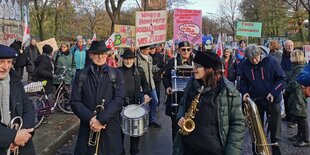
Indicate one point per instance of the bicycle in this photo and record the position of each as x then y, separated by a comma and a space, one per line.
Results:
42, 104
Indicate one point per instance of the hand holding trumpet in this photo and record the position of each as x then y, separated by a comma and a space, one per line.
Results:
95, 125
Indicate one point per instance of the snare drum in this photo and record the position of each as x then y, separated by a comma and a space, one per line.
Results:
135, 120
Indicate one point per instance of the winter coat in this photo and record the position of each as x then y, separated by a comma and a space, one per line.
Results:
98, 86
231, 68
261, 79
277, 54
20, 105
64, 60
147, 67
158, 66
167, 82
297, 102
79, 57
230, 118
32, 53
286, 64
44, 71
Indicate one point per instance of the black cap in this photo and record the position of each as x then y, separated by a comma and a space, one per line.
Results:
128, 53
98, 47
208, 59
184, 44
7, 52
48, 49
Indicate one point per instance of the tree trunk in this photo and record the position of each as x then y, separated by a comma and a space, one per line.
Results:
309, 27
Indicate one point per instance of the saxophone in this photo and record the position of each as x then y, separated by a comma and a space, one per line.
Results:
189, 124
253, 122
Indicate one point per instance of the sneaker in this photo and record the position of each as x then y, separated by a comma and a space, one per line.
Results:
292, 125
294, 138
154, 125
301, 144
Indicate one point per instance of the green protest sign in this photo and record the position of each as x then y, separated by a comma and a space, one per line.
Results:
249, 29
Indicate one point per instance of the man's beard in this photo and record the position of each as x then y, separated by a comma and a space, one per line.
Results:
128, 65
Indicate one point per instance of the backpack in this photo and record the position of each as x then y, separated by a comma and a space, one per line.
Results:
83, 77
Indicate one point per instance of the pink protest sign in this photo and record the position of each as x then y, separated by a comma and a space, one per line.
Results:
150, 27
187, 26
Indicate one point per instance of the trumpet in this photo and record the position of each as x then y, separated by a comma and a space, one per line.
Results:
94, 137
16, 123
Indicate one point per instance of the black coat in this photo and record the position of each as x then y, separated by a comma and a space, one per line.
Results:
158, 66
231, 68
44, 71
167, 81
139, 82
20, 105
83, 103
32, 53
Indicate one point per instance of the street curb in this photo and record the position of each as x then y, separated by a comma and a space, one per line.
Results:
52, 148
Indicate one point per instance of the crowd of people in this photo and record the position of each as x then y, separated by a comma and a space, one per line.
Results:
278, 81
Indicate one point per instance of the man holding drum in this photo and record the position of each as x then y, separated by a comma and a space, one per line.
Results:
183, 58
92, 86
134, 81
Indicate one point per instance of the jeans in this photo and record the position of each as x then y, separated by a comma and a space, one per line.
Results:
153, 105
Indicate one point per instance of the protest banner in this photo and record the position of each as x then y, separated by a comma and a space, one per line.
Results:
307, 52
124, 35
249, 29
150, 27
187, 26
52, 42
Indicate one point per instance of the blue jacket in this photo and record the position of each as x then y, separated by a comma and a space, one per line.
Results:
261, 79
79, 57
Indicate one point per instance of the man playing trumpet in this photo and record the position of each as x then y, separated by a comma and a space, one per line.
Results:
14, 102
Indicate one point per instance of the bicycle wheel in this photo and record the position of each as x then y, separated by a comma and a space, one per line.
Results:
62, 102
38, 104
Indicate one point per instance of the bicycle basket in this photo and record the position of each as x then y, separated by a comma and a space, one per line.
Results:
34, 87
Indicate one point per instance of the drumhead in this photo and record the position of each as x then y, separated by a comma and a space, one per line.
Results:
133, 111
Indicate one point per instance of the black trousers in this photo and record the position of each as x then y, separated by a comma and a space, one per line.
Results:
134, 144
174, 125
273, 112
157, 87
303, 127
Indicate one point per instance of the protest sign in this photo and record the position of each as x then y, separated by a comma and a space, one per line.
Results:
187, 26
307, 52
52, 42
124, 35
249, 29
150, 27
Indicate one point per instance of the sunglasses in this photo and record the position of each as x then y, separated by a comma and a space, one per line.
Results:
186, 49
197, 65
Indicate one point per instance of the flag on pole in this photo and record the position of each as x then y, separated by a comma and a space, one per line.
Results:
26, 34
94, 37
219, 46
110, 42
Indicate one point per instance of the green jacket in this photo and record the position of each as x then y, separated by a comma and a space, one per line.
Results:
231, 119
297, 101
60, 62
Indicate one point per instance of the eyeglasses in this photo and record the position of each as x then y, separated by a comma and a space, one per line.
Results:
186, 49
100, 53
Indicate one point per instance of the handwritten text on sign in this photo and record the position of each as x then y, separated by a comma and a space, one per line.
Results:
150, 27
187, 26
249, 29
124, 35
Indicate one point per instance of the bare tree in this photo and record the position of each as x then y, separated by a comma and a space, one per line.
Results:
114, 10
306, 5
229, 14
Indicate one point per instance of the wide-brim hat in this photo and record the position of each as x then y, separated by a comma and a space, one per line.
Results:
128, 53
7, 52
304, 77
184, 44
208, 60
98, 47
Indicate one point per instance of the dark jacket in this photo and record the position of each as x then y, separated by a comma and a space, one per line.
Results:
158, 66
32, 53
286, 64
20, 105
230, 118
231, 68
167, 81
44, 71
261, 79
139, 82
98, 86
297, 102
61, 60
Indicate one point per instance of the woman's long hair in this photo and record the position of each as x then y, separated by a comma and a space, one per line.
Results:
212, 77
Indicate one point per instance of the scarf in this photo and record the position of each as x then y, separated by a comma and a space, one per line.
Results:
5, 100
